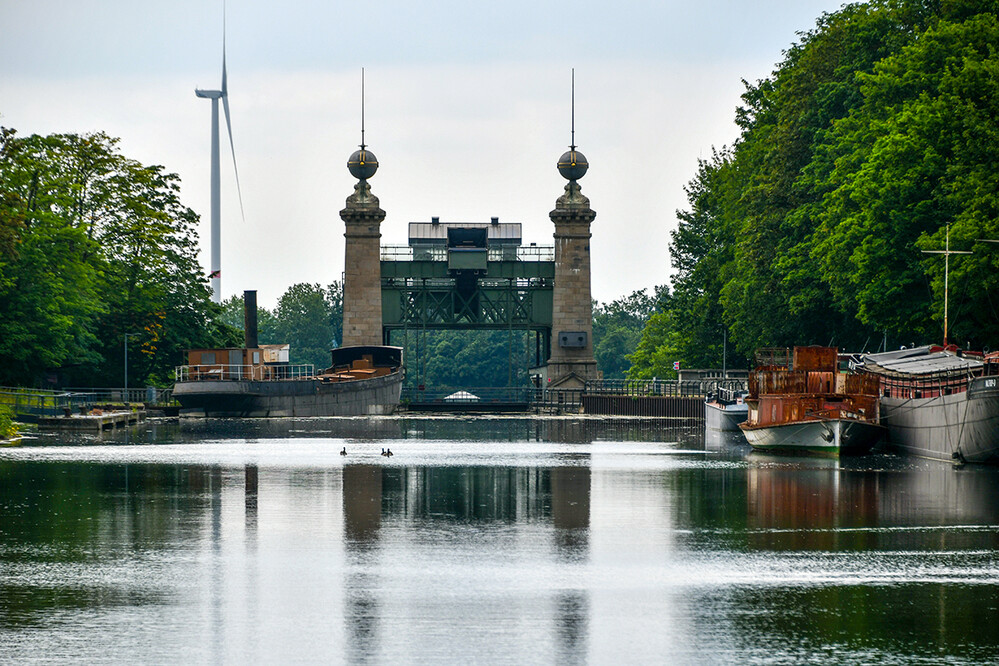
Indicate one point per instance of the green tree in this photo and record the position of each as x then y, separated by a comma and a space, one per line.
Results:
617, 329
921, 153
50, 267
94, 246
467, 359
875, 133
304, 319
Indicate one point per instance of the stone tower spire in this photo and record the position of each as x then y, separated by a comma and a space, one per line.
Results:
362, 282
571, 362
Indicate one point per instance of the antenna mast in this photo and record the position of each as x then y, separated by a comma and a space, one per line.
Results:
362, 108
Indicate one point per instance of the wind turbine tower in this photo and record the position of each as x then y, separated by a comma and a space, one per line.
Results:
216, 209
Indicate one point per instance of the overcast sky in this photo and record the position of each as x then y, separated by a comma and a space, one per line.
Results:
467, 111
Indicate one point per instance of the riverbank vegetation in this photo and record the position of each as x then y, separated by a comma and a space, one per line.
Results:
8, 429
875, 135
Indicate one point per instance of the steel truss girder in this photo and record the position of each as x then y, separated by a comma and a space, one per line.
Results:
489, 303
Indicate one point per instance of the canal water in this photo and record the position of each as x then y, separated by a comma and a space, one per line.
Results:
486, 540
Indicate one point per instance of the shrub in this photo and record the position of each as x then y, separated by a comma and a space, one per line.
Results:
7, 427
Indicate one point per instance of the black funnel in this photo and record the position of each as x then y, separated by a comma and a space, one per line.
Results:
250, 318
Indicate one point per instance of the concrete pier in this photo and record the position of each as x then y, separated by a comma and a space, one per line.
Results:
92, 422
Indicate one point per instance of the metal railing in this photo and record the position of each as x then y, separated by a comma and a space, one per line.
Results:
662, 387
195, 373
148, 395
439, 253
487, 396
467, 396
31, 403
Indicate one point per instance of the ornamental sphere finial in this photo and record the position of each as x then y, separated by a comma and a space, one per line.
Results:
362, 164
572, 165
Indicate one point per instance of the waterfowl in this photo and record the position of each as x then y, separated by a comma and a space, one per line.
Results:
343, 451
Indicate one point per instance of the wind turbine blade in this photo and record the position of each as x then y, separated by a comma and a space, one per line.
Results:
232, 147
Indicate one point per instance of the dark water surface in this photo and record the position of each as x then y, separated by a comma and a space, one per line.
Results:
489, 540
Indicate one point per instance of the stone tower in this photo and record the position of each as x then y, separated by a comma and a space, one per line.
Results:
362, 281
571, 362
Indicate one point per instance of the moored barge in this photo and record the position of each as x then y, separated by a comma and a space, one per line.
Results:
361, 381
938, 402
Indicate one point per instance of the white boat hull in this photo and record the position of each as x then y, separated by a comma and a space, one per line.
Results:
725, 418
825, 437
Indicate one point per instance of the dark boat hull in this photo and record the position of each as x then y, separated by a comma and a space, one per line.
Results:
293, 397
962, 426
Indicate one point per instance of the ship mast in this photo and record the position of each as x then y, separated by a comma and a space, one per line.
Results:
946, 252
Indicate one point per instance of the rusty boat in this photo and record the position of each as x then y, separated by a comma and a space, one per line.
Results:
939, 402
800, 401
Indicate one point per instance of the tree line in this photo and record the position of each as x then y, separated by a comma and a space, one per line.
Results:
96, 253
874, 138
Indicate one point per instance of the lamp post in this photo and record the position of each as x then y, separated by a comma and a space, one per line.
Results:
125, 392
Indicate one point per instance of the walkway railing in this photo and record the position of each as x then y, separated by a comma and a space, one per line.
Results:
232, 373
661, 387
25, 402
652, 397
31, 403
148, 395
439, 253
468, 396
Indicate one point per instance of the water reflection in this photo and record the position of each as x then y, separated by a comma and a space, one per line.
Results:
567, 541
805, 505
426, 504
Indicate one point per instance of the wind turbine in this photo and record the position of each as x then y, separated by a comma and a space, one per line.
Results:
216, 211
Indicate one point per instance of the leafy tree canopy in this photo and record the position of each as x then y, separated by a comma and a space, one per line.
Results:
95, 249
875, 134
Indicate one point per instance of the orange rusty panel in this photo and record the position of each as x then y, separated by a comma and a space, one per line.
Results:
769, 382
865, 384
821, 382
822, 359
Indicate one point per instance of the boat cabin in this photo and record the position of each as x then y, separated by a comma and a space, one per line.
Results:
806, 383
